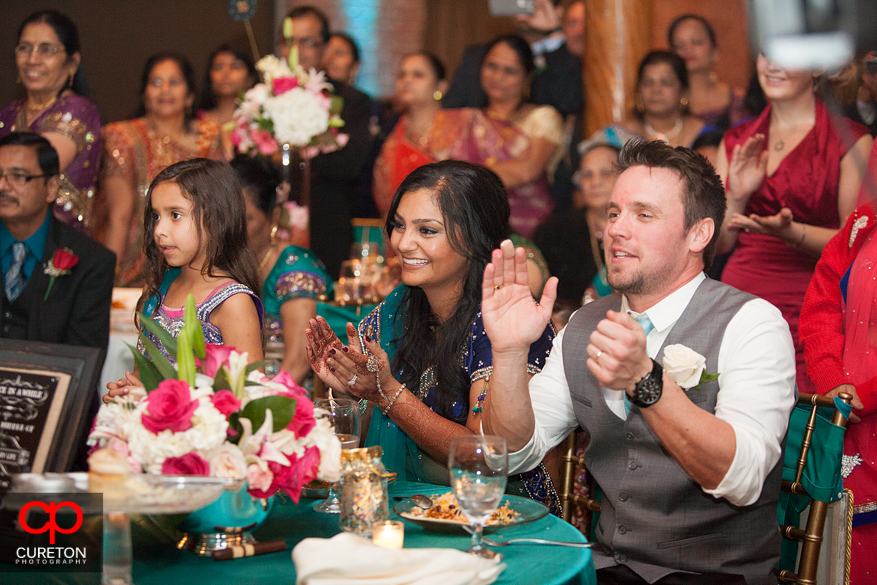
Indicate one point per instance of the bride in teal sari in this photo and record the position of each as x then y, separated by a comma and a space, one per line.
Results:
421, 361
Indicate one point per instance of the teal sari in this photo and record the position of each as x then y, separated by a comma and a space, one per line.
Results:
386, 325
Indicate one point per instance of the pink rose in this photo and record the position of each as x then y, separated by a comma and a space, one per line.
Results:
188, 464
225, 402
170, 406
264, 141
281, 85
303, 421
216, 357
259, 480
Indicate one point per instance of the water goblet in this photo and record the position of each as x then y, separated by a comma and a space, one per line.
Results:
479, 468
343, 415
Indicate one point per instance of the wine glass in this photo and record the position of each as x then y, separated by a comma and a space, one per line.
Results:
343, 415
479, 468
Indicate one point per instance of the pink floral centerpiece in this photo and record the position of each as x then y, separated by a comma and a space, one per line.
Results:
217, 416
290, 107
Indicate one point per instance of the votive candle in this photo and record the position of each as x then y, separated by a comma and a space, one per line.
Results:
389, 534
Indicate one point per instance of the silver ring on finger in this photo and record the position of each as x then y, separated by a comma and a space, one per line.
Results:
352, 380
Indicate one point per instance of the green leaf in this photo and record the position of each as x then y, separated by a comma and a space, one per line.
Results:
234, 423
161, 363
147, 371
282, 407
255, 366
160, 333
704, 377
185, 359
220, 380
193, 328
336, 104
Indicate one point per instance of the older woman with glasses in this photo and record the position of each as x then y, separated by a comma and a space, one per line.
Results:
56, 107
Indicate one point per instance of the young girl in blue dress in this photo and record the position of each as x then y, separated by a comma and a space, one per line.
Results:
195, 242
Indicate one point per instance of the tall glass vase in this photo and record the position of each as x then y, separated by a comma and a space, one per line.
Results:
297, 171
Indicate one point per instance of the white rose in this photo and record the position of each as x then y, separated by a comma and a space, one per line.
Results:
683, 365
228, 462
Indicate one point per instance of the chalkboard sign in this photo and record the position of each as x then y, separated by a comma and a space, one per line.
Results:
30, 405
48, 396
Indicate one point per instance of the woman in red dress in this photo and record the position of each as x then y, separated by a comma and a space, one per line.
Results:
792, 176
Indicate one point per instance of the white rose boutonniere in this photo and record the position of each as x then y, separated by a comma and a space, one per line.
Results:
686, 367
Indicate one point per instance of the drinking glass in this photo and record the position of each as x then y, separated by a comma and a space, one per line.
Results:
479, 468
343, 415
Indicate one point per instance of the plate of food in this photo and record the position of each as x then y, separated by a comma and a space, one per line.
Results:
445, 514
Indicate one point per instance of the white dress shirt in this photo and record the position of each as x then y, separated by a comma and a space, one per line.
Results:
756, 365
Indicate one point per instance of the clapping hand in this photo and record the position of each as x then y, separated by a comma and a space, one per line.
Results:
511, 319
776, 225
617, 353
322, 341
747, 169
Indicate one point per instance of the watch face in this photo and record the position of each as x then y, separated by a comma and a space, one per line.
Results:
648, 390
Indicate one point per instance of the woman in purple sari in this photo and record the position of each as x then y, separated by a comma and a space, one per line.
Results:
519, 141
47, 57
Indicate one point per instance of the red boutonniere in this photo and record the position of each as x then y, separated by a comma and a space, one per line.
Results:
60, 264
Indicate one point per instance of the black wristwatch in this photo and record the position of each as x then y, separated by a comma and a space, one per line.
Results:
648, 390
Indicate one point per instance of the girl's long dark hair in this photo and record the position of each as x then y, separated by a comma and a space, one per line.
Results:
219, 213
475, 210
207, 99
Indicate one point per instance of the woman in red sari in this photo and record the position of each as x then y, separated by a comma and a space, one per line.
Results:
792, 176
839, 332
418, 137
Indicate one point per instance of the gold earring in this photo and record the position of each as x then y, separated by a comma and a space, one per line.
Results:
684, 102
274, 234
437, 95
18, 80
70, 79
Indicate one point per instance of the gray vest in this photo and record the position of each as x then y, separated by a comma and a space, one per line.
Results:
654, 517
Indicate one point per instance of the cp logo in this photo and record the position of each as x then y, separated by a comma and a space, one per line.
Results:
51, 525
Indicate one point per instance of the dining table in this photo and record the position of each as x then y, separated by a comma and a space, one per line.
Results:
156, 561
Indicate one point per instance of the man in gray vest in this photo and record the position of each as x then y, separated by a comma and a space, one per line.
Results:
687, 455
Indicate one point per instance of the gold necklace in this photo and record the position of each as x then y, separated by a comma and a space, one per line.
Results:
267, 255
39, 107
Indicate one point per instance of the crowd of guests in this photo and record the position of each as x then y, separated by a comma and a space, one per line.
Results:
455, 168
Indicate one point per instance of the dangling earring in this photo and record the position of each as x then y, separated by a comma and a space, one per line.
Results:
18, 80
684, 102
274, 235
437, 95
70, 79
640, 107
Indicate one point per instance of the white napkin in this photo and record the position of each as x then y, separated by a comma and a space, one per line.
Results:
347, 559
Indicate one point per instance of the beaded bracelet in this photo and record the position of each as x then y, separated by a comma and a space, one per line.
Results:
479, 405
386, 411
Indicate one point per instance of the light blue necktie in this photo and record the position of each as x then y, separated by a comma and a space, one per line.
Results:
14, 277
647, 326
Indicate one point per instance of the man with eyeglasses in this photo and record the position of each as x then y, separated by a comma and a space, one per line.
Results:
334, 176
72, 308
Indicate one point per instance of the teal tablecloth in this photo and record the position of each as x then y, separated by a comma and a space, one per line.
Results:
158, 563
